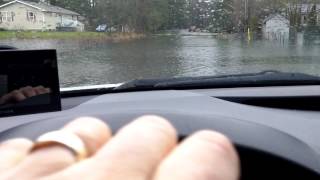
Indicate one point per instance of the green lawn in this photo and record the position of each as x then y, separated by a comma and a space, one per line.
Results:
66, 35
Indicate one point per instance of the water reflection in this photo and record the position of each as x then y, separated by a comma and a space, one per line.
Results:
84, 62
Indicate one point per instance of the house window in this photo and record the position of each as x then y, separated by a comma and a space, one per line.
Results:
4, 16
31, 16
12, 16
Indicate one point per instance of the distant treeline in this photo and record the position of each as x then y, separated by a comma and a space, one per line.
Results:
212, 15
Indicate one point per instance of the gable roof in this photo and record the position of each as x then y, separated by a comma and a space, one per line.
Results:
276, 16
42, 7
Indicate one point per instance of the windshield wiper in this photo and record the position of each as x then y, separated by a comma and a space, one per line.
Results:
263, 79
266, 78
87, 90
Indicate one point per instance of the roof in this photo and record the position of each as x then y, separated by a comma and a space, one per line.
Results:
42, 7
276, 16
306, 8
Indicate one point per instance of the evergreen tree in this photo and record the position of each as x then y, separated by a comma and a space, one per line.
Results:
222, 15
177, 14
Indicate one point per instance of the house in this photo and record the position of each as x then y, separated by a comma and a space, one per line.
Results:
25, 15
305, 9
276, 26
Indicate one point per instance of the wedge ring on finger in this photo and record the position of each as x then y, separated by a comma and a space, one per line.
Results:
63, 138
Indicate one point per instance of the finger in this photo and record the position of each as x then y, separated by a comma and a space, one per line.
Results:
17, 96
93, 132
47, 90
5, 99
51, 159
28, 91
41, 90
134, 153
12, 152
205, 155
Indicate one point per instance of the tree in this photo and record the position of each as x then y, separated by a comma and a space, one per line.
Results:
199, 13
133, 15
294, 13
157, 15
177, 18
312, 16
312, 23
83, 7
154, 15
222, 15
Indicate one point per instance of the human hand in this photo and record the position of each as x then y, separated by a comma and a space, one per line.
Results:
146, 149
23, 93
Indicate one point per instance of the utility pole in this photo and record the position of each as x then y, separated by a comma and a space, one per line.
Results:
246, 13
246, 17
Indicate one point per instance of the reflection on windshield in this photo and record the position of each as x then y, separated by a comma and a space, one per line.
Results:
111, 41
23, 95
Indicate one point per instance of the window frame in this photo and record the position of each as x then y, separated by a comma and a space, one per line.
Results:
4, 18
13, 14
31, 18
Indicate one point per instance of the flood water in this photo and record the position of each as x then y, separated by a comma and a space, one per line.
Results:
92, 62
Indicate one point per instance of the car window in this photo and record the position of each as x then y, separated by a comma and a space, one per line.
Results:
113, 41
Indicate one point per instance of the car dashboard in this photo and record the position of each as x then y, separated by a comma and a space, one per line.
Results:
275, 129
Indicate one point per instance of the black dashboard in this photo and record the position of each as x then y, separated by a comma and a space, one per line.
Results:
274, 139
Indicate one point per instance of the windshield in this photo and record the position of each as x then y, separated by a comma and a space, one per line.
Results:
114, 41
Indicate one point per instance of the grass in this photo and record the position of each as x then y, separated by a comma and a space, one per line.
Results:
68, 35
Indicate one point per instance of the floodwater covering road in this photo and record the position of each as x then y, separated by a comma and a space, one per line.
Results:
93, 62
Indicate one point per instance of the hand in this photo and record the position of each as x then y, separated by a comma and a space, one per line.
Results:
146, 149
23, 93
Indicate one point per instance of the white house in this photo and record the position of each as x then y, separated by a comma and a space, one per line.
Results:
25, 15
276, 26
305, 10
